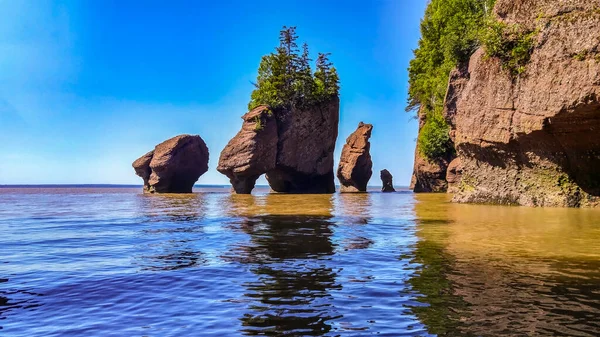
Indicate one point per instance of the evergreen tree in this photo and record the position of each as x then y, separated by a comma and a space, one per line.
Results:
305, 84
326, 78
285, 77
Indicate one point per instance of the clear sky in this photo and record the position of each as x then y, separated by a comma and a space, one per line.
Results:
86, 87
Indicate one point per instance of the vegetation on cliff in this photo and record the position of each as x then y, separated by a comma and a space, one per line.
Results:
450, 33
285, 77
512, 44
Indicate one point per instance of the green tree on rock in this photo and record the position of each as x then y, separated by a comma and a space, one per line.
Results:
326, 78
285, 77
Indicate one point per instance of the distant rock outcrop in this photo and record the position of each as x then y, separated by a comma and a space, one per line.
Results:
355, 167
294, 147
386, 180
174, 165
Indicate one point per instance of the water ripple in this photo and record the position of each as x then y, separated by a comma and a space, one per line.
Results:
114, 262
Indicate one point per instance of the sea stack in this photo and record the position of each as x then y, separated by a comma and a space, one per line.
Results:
292, 146
355, 168
386, 180
174, 165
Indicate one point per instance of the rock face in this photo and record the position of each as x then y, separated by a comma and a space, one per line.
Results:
429, 175
386, 180
355, 168
293, 147
532, 139
454, 175
252, 152
174, 165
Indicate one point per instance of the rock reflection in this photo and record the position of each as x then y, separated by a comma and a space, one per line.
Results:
171, 207
279, 204
174, 227
292, 293
488, 270
16, 299
171, 256
355, 209
354, 206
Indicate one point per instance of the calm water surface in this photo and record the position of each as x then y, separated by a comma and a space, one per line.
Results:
114, 262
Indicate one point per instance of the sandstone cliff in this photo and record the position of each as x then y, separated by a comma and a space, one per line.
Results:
531, 139
293, 147
429, 175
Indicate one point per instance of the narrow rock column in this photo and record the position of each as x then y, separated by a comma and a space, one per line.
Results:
386, 180
355, 167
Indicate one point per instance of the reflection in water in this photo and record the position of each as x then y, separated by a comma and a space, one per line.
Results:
291, 295
174, 246
19, 299
117, 262
489, 270
171, 207
278, 204
355, 208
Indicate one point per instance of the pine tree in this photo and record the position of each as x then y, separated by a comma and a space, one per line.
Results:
305, 82
288, 53
285, 77
326, 78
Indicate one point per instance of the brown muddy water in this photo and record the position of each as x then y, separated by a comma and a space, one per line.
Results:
113, 262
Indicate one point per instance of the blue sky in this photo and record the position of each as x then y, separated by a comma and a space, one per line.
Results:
86, 87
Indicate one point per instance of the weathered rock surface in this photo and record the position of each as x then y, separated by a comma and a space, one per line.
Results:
252, 152
454, 175
355, 168
293, 147
386, 180
174, 165
533, 140
429, 175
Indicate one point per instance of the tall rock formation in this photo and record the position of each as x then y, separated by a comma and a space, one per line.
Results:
293, 147
532, 139
174, 165
355, 168
387, 181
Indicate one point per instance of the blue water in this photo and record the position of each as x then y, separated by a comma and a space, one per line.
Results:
93, 261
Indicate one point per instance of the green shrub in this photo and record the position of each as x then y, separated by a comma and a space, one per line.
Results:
510, 43
450, 32
258, 124
434, 139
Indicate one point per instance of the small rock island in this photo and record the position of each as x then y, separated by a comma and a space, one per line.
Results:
291, 129
387, 181
174, 165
